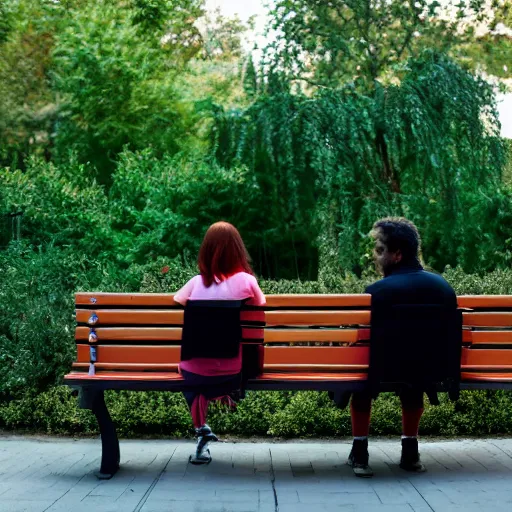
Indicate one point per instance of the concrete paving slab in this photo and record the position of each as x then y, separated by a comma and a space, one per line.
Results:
57, 475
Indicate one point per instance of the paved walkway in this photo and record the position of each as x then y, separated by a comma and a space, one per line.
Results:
56, 475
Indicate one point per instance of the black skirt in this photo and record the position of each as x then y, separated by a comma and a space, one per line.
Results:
209, 386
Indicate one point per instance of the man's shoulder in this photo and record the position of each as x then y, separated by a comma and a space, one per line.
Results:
435, 278
423, 279
371, 288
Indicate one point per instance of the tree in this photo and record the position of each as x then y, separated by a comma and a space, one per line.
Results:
5, 21
331, 163
492, 50
329, 43
250, 78
117, 78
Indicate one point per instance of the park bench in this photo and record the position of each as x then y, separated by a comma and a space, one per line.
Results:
311, 342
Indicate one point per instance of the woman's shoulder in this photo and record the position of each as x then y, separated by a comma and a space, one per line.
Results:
194, 280
244, 277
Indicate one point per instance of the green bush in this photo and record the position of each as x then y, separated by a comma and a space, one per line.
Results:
37, 348
36, 318
263, 414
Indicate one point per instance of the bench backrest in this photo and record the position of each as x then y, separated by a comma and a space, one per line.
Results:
303, 333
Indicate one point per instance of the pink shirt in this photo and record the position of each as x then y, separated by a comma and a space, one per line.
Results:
236, 287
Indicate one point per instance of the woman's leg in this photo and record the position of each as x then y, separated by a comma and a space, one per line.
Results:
199, 411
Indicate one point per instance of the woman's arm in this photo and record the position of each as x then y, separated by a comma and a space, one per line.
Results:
183, 294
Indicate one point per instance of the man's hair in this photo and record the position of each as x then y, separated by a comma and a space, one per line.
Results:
399, 234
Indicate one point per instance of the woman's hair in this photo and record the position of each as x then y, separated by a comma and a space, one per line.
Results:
222, 253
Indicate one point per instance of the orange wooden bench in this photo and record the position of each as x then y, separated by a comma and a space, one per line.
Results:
311, 342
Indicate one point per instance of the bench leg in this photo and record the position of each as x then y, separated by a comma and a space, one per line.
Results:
110, 456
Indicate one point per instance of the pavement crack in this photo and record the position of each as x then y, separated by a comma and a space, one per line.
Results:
422, 497
273, 481
60, 497
153, 484
501, 450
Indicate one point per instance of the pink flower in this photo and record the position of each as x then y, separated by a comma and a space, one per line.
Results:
165, 269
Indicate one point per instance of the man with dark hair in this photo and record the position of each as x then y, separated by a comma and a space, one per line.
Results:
397, 258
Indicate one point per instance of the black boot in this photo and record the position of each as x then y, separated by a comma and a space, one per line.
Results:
358, 458
204, 436
410, 460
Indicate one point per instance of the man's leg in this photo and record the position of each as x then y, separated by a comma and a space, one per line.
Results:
360, 412
412, 410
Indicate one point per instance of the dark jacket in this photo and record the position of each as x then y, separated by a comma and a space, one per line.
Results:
411, 284
416, 333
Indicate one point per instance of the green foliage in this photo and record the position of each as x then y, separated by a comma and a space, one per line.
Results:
36, 319
27, 109
263, 413
5, 21
118, 89
162, 207
60, 203
428, 149
128, 126
328, 44
155, 208
159, 16
37, 347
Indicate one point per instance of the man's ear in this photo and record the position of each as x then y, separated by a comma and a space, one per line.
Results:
398, 256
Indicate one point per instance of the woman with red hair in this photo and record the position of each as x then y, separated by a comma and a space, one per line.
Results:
225, 274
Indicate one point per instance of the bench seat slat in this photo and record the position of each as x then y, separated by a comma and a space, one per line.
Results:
167, 367
277, 367
487, 376
305, 367
355, 377
176, 377
113, 375
268, 367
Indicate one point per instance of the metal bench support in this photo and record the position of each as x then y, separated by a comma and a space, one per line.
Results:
110, 455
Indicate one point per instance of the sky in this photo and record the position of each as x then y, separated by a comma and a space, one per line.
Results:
246, 8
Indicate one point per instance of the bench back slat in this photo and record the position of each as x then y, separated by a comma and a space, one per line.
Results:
269, 335
488, 319
306, 336
289, 301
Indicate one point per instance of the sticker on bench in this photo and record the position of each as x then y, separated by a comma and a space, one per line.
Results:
93, 319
